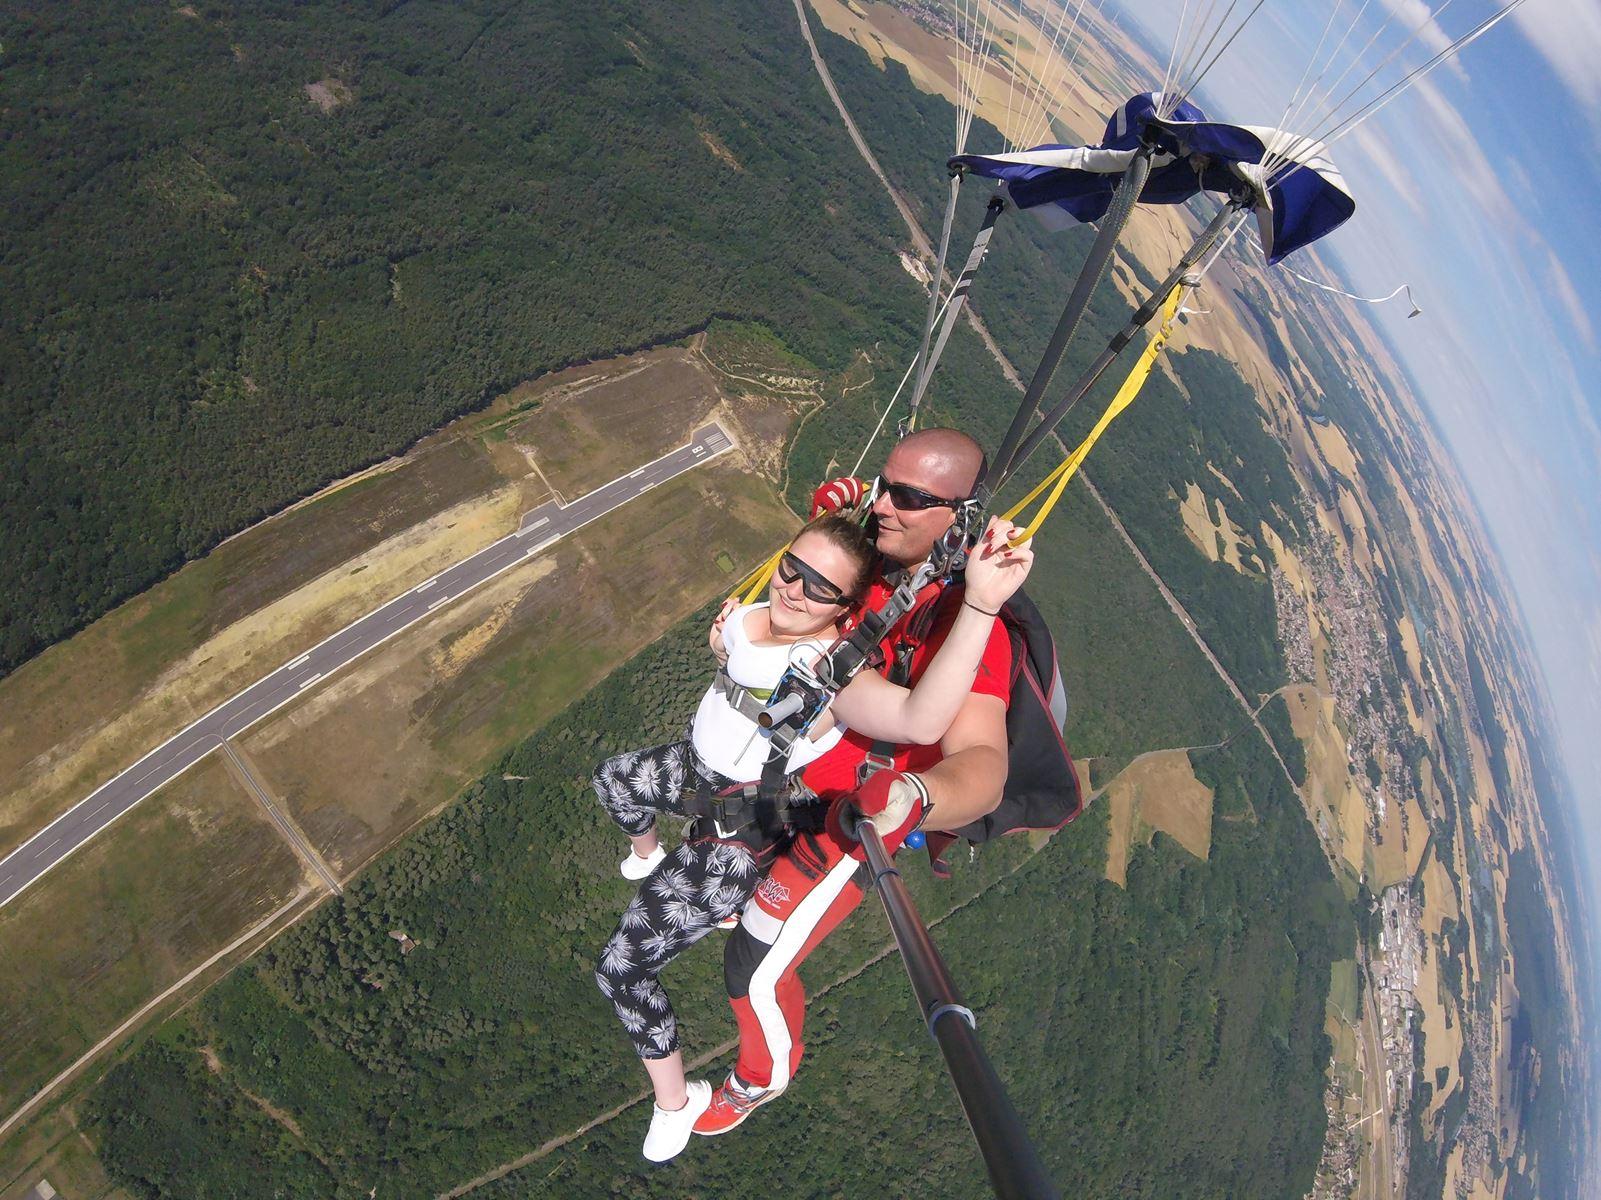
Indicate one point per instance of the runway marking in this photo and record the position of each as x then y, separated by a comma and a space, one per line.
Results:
438, 602
299, 662
524, 532
307, 683
637, 474
423, 587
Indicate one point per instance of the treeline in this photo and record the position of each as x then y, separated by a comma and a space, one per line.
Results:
220, 296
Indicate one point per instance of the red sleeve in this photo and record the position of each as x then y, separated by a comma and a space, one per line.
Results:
994, 676
995, 668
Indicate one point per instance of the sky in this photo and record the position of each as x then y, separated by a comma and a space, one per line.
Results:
1479, 187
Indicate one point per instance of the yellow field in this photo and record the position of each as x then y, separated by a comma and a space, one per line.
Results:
1157, 791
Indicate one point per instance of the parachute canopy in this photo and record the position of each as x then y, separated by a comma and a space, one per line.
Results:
1297, 193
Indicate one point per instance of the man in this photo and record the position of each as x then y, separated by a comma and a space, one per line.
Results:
820, 880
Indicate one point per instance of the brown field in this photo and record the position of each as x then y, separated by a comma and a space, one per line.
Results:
438, 703
1157, 791
130, 913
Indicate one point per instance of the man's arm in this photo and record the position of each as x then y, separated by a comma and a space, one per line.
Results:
966, 784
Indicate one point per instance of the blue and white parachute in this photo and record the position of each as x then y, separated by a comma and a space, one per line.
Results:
1296, 192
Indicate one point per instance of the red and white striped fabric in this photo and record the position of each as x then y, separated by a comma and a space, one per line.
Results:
837, 495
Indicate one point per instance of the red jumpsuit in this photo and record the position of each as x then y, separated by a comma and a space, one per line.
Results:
816, 883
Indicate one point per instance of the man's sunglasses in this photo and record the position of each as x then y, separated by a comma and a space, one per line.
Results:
911, 499
815, 587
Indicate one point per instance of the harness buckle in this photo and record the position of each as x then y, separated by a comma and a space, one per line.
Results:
872, 763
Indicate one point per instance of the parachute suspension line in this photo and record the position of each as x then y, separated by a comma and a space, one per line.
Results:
953, 306
1089, 276
1190, 57
1407, 288
1244, 21
1016, 1171
1046, 85
1407, 81
1291, 106
1211, 240
1173, 50
1322, 107
1056, 482
1011, 76
1331, 111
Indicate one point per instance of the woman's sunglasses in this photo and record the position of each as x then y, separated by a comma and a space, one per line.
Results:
911, 499
815, 587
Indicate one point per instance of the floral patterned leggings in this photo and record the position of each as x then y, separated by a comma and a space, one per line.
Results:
699, 884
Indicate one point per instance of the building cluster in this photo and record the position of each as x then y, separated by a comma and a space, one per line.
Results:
1395, 971
1358, 663
1337, 1170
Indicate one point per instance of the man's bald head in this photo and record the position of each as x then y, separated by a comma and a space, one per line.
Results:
946, 462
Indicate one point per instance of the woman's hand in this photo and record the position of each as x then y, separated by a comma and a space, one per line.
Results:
995, 568
715, 638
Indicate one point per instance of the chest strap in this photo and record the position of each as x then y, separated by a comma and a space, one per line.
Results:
750, 703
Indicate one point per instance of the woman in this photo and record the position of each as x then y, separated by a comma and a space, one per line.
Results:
708, 879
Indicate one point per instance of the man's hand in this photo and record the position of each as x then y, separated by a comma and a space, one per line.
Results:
837, 495
894, 801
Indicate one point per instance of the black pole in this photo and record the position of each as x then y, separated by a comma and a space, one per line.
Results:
1015, 1169
1141, 318
1090, 274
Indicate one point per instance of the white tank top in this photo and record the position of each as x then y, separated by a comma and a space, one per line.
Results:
726, 740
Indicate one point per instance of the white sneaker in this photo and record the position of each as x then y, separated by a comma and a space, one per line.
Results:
669, 1131
636, 868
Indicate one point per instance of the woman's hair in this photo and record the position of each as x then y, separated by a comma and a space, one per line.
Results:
850, 537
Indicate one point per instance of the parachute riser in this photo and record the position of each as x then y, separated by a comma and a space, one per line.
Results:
935, 286
1089, 277
929, 358
1142, 317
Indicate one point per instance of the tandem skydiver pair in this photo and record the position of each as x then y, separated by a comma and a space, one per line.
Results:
922, 741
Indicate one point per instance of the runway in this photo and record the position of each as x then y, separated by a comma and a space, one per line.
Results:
540, 527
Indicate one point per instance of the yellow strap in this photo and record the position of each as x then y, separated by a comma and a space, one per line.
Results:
756, 582
1057, 480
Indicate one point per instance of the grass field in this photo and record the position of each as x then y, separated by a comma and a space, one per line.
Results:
129, 914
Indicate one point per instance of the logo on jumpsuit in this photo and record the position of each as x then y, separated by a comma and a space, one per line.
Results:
773, 892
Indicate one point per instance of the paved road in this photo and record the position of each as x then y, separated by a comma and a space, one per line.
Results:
540, 527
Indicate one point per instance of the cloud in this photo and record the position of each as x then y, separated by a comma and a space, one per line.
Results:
1367, 141
1562, 288
1567, 34
1415, 20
